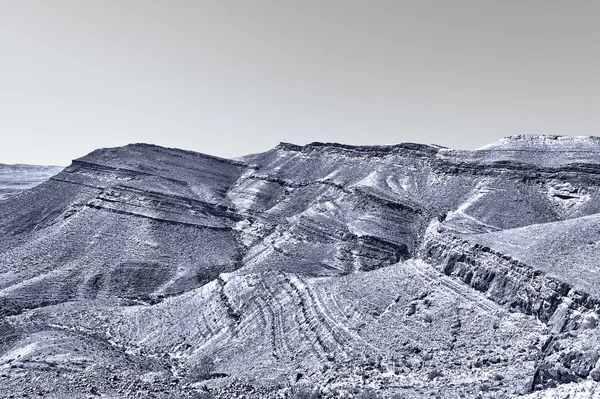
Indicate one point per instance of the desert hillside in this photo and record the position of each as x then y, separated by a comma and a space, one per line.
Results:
323, 270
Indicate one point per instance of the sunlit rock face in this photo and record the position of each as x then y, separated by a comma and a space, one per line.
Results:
323, 270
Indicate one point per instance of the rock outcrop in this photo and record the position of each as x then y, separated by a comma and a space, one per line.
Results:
323, 270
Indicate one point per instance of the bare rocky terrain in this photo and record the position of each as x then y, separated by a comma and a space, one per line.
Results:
325, 270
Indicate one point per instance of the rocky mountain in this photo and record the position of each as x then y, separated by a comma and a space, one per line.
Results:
324, 270
16, 178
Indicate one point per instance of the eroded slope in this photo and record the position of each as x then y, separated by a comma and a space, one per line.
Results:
407, 270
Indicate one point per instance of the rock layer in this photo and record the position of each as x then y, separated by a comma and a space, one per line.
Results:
325, 269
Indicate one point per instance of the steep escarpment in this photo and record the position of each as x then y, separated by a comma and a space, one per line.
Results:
327, 269
570, 312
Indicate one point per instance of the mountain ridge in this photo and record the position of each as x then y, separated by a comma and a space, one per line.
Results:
323, 269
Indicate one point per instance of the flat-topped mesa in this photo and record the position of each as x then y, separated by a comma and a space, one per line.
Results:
20, 167
528, 156
363, 150
544, 142
16, 178
520, 142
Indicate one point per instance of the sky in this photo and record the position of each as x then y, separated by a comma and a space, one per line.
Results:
230, 78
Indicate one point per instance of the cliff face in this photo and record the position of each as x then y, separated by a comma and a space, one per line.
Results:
406, 270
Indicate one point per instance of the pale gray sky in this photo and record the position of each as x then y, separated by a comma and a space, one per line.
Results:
235, 77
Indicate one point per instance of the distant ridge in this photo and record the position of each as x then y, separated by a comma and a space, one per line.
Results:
18, 177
